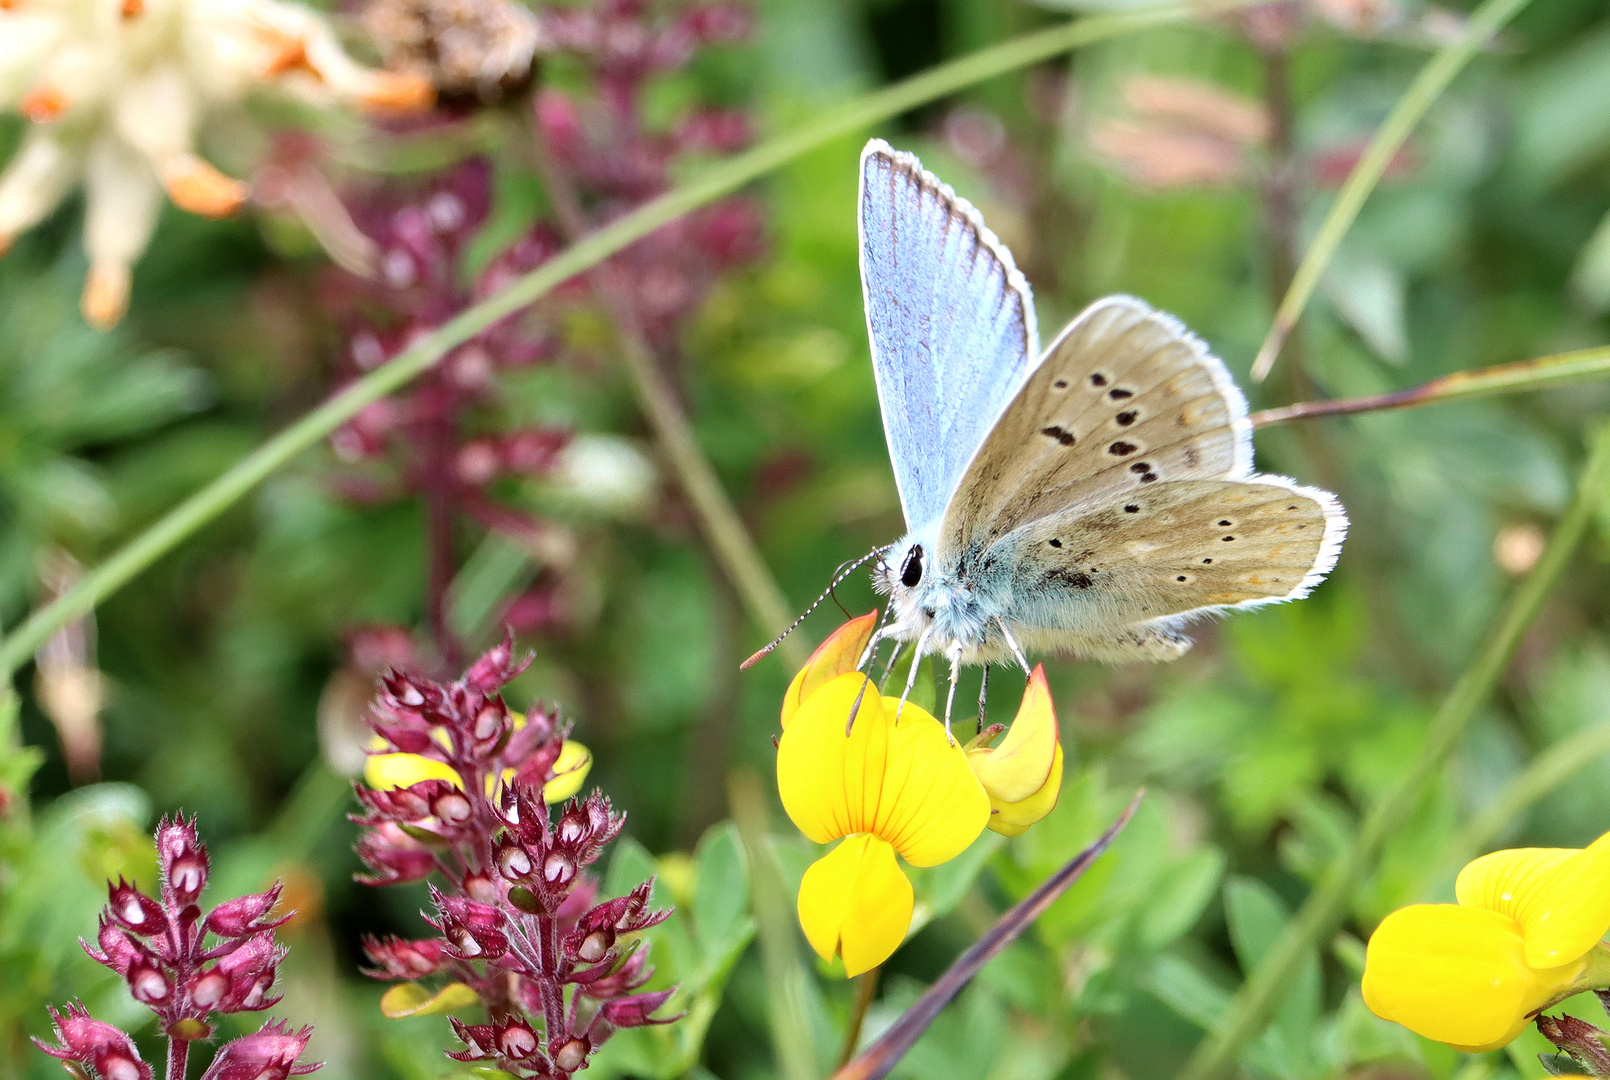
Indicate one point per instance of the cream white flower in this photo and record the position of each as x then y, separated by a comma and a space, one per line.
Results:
115, 91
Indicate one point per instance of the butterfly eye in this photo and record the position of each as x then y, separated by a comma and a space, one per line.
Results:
911, 569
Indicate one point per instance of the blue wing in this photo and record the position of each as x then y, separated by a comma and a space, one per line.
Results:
951, 322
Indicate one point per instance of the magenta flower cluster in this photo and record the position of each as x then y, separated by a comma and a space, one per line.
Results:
444, 440
187, 968
517, 916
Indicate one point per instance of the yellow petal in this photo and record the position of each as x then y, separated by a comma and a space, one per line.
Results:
836, 656
904, 781
855, 901
411, 999
568, 772
1559, 896
383, 772
1019, 767
1457, 974
1014, 819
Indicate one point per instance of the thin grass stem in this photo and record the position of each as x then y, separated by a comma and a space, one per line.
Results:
1539, 373
1410, 109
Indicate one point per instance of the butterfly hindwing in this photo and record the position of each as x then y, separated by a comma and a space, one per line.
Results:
950, 320
1170, 550
1125, 398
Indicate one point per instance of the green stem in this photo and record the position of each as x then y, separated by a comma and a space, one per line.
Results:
1410, 109
1539, 373
1327, 904
720, 180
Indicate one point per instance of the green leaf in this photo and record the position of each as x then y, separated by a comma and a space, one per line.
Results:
721, 892
411, 999
629, 867
1181, 897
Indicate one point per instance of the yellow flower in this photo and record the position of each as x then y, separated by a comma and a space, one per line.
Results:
1023, 775
889, 785
385, 772
115, 92
1525, 934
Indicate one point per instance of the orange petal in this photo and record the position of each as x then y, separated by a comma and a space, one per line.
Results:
836, 656
397, 92
1018, 768
196, 186
44, 103
106, 296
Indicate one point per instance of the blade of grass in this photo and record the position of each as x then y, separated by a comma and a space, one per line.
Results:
885, 1053
1547, 771
1325, 907
1410, 109
212, 500
1539, 373
786, 976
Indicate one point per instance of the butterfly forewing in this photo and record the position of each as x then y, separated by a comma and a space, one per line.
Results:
951, 324
1124, 399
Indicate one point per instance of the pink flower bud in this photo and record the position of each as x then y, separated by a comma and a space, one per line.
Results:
571, 1054
637, 1010
270, 1054
399, 959
513, 862
517, 1041
148, 985
557, 868
209, 989
451, 808
243, 916
182, 859
95, 1044
135, 911
482, 889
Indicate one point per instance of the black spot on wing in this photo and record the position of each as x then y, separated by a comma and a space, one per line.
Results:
1126, 417
1120, 448
1060, 434
1118, 393
1098, 379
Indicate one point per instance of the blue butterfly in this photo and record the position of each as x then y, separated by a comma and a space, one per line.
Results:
1090, 499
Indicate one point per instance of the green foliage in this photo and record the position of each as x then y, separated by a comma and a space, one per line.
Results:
1262, 751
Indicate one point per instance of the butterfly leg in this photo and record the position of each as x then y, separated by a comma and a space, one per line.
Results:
911, 679
888, 669
983, 692
955, 674
1011, 643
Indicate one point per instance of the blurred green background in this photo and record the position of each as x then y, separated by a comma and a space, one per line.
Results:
228, 688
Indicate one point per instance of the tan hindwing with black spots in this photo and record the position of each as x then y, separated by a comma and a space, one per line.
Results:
1173, 548
1125, 399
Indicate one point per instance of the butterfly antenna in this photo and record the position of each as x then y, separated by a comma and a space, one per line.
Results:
844, 571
